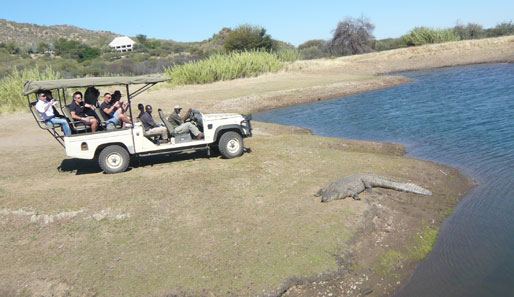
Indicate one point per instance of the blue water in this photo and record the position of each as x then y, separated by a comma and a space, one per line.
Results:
462, 117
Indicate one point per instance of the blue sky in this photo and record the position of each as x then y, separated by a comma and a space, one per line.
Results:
290, 21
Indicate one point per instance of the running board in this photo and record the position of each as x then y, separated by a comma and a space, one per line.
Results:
208, 148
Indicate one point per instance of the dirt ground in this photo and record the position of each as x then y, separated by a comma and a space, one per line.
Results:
189, 225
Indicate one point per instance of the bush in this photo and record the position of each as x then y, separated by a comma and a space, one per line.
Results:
502, 29
225, 67
423, 35
389, 44
248, 37
11, 87
470, 31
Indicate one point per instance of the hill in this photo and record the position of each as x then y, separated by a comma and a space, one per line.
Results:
27, 35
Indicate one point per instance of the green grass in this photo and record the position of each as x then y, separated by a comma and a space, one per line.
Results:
11, 87
424, 243
423, 35
225, 67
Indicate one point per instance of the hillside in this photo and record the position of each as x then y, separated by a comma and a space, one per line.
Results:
26, 35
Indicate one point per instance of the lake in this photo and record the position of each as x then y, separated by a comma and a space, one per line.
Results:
462, 117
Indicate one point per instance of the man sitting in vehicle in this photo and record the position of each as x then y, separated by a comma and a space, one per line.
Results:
151, 128
179, 124
114, 112
45, 107
78, 111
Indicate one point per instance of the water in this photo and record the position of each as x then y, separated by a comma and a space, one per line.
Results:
462, 117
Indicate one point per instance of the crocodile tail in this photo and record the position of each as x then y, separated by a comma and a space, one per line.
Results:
407, 187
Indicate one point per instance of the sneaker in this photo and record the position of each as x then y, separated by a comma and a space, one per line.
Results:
199, 136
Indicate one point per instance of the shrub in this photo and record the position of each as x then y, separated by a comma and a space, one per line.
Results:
502, 29
470, 31
312, 52
225, 67
11, 86
389, 43
247, 37
423, 35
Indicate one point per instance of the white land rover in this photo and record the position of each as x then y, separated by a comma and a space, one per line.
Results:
113, 146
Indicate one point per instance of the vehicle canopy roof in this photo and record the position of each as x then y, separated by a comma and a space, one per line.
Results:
36, 86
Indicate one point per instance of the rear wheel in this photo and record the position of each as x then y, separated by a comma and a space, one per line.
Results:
231, 145
113, 159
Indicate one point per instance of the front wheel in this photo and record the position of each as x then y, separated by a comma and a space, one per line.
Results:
231, 145
113, 159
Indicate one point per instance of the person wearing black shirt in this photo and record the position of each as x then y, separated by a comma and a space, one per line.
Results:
151, 128
79, 110
114, 111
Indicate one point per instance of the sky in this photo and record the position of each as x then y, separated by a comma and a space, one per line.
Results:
294, 22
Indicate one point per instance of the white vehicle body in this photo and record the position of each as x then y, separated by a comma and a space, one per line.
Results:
88, 145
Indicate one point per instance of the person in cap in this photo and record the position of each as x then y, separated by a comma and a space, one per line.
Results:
45, 108
179, 124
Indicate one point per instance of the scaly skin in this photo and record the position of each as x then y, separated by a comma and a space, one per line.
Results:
352, 186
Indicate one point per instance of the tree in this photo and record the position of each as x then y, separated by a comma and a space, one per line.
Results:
353, 36
248, 37
43, 47
470, 31
11, 47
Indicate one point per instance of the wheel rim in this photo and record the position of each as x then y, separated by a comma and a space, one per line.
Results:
114, 160
233, 146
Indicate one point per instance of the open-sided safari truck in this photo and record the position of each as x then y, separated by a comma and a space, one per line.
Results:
113, 146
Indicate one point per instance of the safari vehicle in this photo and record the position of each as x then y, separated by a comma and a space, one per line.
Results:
113, 146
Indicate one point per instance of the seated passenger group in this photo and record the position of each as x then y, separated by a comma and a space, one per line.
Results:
113, 109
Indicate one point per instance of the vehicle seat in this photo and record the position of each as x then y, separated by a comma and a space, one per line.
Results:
42, 124
77, 126
168, 125
103, 121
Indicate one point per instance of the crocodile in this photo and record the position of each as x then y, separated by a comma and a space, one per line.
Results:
353, 185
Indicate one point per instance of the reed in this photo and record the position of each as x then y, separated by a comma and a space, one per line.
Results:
11, 86
225, 67
423, 35
290, 55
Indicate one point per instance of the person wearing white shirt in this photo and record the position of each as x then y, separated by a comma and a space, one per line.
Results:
44, 108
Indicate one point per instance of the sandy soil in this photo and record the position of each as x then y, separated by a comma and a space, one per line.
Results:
173, 225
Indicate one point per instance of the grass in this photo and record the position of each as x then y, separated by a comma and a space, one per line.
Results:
423, 35
11, 87
220, 67
390, 261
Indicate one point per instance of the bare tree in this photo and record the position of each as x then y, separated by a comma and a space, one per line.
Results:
353, 36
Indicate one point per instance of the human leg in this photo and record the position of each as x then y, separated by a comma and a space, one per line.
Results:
94, 123
64, 124
158, 131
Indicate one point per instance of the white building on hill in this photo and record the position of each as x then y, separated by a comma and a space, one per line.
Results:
122, 44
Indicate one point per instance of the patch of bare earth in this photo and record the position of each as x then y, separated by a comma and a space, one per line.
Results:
187, 224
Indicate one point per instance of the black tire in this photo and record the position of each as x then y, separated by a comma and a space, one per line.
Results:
231, 145
113, 159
